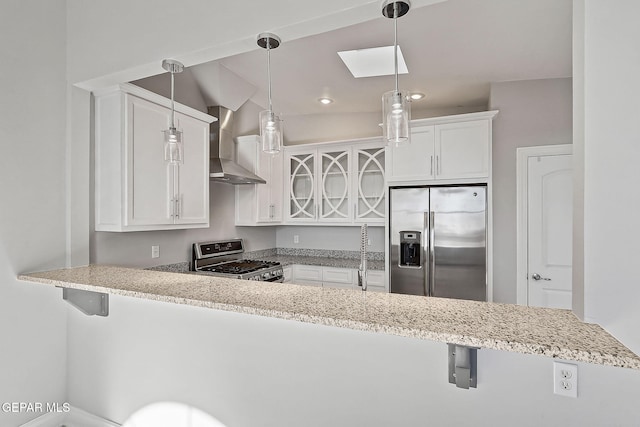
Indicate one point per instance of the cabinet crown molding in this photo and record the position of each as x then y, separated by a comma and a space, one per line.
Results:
457, 118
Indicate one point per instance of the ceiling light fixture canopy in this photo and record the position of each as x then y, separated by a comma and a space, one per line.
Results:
270, 123
172, 136
396, 107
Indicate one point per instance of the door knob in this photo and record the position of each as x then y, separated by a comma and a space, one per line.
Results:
536, 276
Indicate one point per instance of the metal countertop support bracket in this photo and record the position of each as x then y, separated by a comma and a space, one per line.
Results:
89, 302
463, 366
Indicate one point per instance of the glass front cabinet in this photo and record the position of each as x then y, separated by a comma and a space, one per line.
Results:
336, 183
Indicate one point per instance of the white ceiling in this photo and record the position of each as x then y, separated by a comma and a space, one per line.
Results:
453, 50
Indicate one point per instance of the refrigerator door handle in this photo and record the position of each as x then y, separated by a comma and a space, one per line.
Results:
432, 253
425, 250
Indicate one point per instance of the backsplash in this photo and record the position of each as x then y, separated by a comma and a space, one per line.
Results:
323, 253
182, 267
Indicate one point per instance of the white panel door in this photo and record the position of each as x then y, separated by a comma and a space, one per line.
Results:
369, 180
269, 195
263, 191
462, 150
334, 192
549, 213
275, 186
302, 187
149, 177
192, 179
415, 160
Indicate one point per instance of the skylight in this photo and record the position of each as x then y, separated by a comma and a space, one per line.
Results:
377, 61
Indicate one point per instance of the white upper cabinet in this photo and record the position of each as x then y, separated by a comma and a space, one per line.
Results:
300, 169
369, 182
335, 183
334, 194
452, 148
136, 189
259, 204
415, 160
462, 150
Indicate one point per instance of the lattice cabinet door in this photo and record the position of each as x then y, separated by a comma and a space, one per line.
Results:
370, 185
302, 191
335, 192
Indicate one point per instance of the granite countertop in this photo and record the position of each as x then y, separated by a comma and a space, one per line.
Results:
549, 332
323, 261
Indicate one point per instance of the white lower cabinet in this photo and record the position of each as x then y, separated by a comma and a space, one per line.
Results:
307, 275
332, 277
287, 273
337, 277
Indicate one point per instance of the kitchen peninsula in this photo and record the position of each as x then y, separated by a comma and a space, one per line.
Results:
529, 330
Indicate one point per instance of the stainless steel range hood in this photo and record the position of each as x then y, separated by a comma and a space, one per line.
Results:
222, 168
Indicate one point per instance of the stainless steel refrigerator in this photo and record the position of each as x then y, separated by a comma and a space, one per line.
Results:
438, 241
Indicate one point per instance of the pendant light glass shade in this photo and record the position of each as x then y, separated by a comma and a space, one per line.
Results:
396, 111
270, 132
172, 136
173, 145
396, 106
270, 123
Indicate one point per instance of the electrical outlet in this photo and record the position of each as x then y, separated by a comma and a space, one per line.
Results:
296, 238
368, 242
565, 379
155, 251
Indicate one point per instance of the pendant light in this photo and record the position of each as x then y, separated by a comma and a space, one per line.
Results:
396, 106
270, 123
172, 136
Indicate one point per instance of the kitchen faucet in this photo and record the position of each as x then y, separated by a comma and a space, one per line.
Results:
362, 271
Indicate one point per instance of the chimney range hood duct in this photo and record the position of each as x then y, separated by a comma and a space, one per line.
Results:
221, 166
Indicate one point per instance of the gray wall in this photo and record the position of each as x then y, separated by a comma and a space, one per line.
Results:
134, 249
256, 371
185, 91
306, 128
330, 238
32, 216
611, 149
532, 112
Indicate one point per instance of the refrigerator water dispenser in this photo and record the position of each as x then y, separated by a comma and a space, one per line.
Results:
410, 249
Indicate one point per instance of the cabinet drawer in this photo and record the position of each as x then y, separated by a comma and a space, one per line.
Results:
375, 279
307, 272
337, 275
338, 285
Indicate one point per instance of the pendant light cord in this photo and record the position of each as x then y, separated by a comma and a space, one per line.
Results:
269, 71
173, 111
395, 41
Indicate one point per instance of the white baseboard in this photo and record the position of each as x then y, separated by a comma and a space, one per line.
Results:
76, 417
50, 419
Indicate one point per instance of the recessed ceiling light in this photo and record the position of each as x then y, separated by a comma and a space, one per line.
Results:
377, 61
417, 96
325, 101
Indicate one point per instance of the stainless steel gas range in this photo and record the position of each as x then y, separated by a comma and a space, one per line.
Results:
224, 259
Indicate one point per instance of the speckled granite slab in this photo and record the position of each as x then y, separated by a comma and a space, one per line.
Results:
548, 332
325, 253
323, 261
